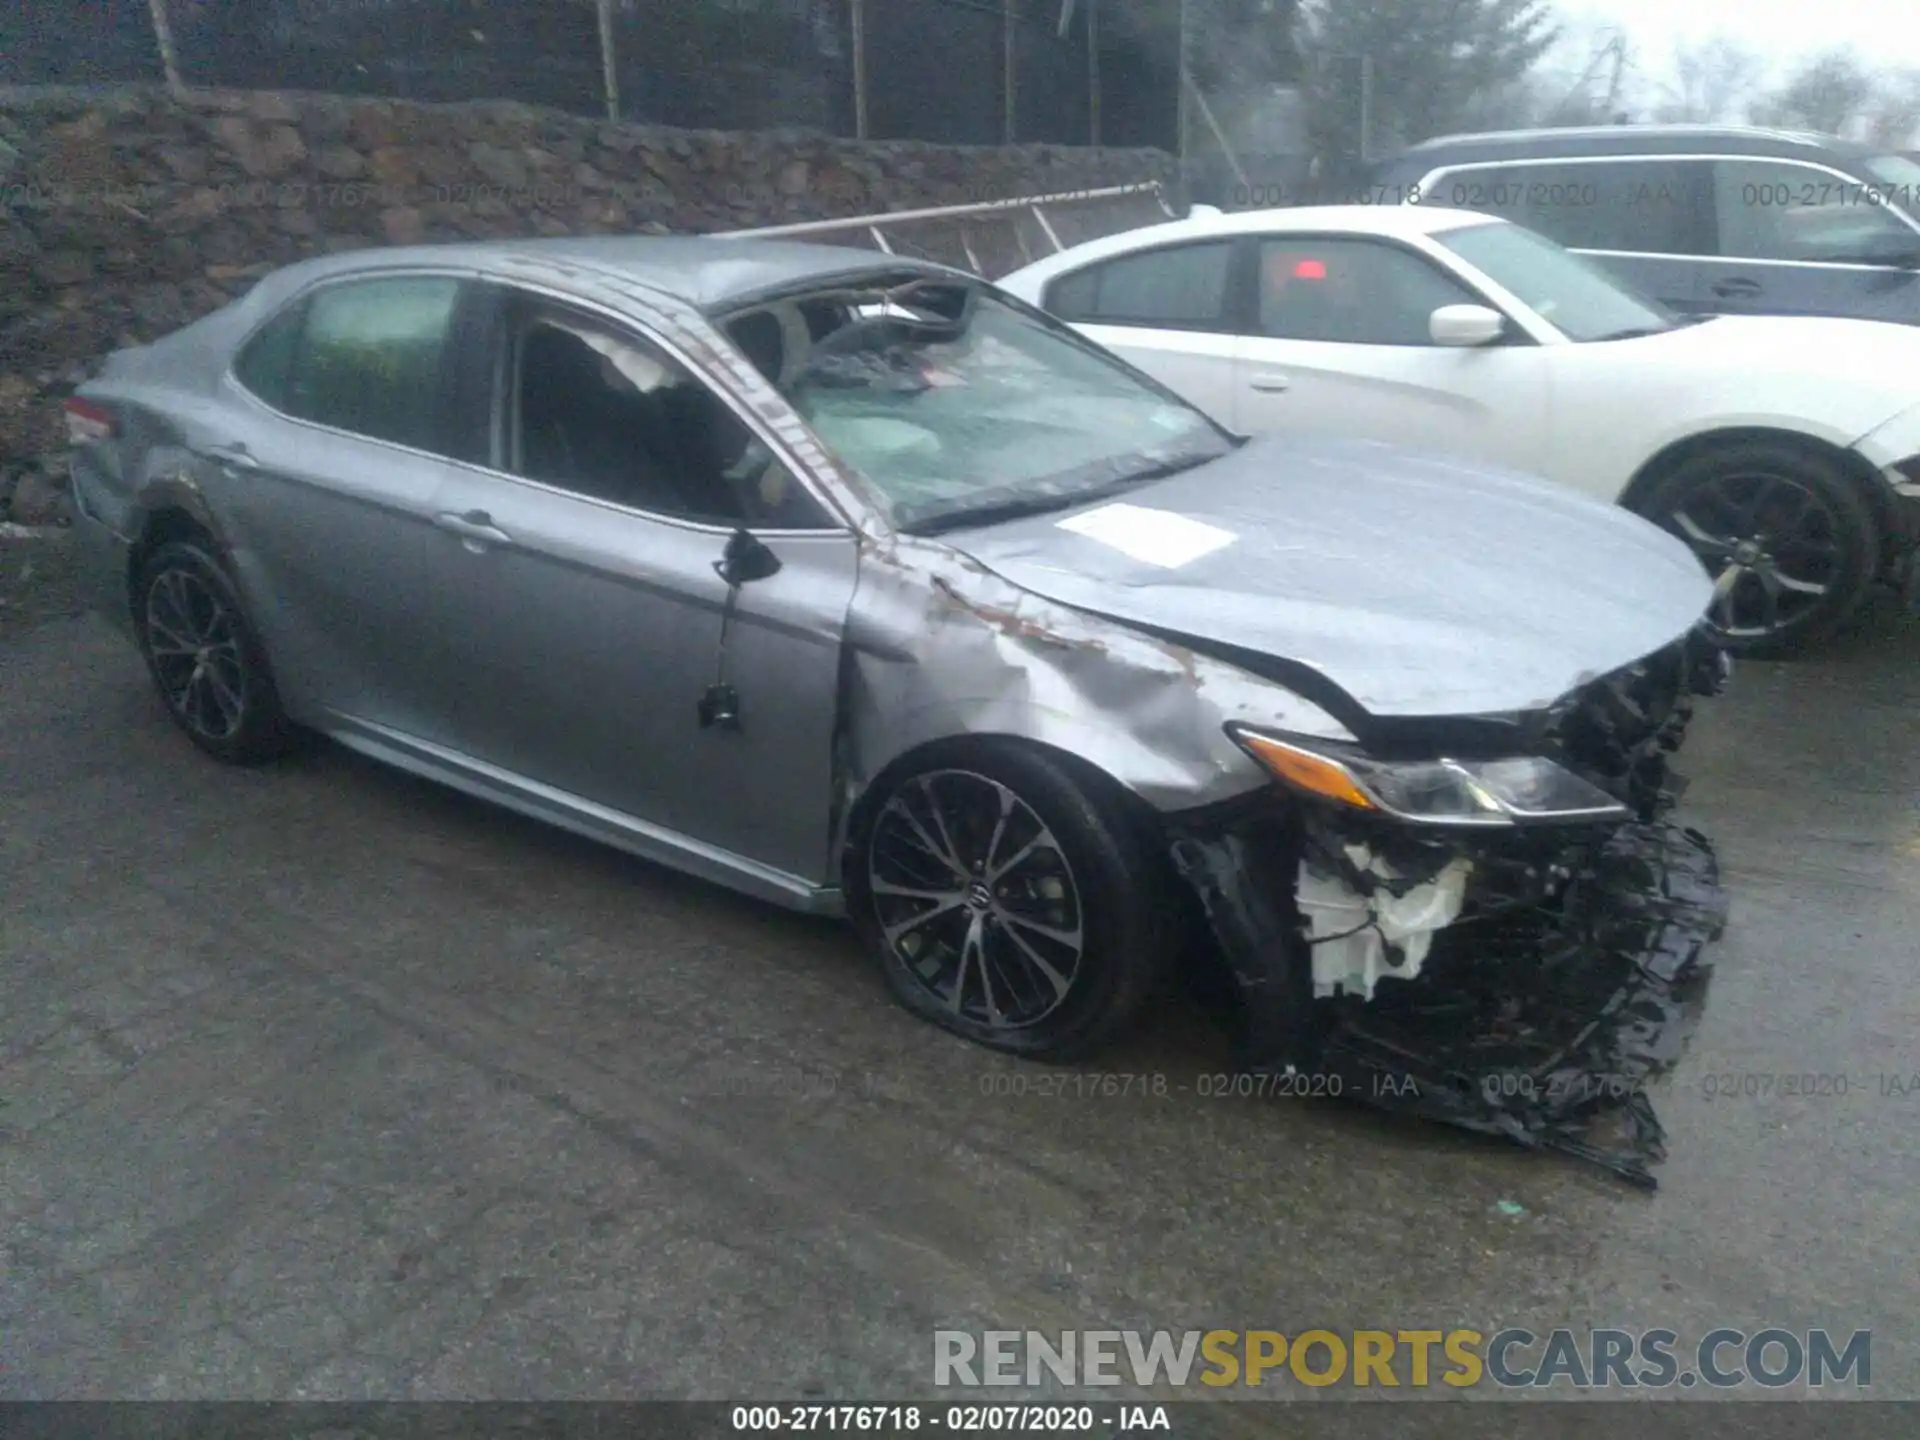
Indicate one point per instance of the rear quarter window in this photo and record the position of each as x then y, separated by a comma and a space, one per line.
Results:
265, 364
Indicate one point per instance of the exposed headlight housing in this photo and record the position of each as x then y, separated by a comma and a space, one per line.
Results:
1517, 790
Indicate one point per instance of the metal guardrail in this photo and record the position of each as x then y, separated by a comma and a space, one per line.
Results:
963, 225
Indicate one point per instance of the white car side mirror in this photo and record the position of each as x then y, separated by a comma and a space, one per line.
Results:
1466, 325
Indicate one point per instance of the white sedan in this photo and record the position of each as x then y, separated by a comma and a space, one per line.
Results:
1785, 450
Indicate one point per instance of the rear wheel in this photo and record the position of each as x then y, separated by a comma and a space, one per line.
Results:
1791, 542
205, 658
1009, 901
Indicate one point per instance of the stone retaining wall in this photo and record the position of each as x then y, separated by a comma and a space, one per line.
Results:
125, 215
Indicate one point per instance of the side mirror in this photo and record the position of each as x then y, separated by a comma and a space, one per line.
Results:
1466, 326
745, 560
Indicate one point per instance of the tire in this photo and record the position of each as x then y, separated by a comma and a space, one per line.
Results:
1087, 870
205, 657
1768, 519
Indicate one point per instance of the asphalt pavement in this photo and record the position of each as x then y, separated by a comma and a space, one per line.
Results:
317, 1081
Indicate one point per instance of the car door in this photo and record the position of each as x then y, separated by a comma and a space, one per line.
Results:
1794, 238
332, 447
1166, 311
621, 670
1341, 344
1646, 218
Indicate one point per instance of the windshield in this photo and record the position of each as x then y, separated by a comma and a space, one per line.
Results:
1579, 299
956, 419
1901, 178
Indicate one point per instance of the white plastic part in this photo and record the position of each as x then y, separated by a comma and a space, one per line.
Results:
1350, 933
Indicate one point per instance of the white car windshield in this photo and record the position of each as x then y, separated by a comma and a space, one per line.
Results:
1578, 298
957, 419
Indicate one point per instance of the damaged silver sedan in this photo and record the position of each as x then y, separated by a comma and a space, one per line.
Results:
849, 582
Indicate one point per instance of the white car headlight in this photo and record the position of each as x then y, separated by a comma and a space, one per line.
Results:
1519, 790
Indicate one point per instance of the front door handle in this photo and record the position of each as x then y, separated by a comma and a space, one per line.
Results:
476, 527
235, 455
1736, 289
1269, 381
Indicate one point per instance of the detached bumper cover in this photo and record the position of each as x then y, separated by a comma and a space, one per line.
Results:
1549, 1028
1540, 1018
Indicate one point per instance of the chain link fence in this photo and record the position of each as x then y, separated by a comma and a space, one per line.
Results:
971, 72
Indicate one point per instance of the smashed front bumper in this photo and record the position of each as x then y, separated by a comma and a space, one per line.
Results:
1529, 983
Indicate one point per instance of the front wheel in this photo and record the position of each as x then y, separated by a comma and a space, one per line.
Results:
1791, 542
1009, 901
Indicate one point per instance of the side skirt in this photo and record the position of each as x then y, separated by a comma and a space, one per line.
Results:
583, 817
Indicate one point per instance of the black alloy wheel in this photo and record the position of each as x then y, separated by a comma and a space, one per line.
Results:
1008, 905
205, 658
1789, 539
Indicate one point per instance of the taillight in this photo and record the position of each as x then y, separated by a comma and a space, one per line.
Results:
88, 420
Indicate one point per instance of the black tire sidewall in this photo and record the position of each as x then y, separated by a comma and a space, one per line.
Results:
1860, 540
1119, 875
264, 731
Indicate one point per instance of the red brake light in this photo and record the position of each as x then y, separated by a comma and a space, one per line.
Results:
88, 420
1310, 270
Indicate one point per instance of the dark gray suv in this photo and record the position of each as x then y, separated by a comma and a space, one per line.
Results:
1708, 219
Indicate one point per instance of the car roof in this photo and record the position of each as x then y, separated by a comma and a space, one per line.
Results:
708, 272
1390, 221
1630, 140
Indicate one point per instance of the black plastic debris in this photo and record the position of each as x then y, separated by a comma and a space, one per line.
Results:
1550, 1028
1573, 976
1573, 980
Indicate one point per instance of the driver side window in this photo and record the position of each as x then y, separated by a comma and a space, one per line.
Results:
1352, 292
601, 413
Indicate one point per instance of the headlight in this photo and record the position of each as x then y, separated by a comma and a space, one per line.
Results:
1521, 790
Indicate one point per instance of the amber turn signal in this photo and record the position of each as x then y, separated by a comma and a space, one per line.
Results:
1304, 770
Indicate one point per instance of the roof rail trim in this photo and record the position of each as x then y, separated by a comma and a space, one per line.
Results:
1667, 131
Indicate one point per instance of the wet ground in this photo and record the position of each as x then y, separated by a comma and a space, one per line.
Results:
318, 1081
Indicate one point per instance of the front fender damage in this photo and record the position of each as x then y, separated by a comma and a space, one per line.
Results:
1529, 982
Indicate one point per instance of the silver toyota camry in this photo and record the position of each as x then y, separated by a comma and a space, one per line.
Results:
857, 585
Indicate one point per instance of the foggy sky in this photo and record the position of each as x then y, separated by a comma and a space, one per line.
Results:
1885, 32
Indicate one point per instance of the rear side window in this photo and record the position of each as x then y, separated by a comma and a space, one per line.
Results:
1776, 210
1181, 286
362, 355
1656, 206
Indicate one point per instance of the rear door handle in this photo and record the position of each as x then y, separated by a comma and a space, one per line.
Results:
236, 455
476, 527
1270, 381
1736, 289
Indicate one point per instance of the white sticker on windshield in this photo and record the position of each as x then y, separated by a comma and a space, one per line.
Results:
1154, 537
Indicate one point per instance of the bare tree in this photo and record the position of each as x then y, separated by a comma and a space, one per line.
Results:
1831, 93
1711, 79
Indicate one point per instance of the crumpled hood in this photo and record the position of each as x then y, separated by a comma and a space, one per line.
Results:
1419, 585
